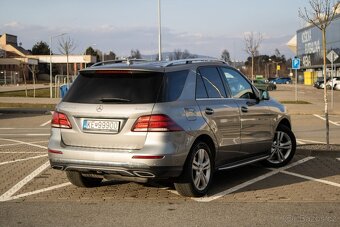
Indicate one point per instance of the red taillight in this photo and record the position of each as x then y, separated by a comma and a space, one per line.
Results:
155, 123
60, 120
147, 157
54, 151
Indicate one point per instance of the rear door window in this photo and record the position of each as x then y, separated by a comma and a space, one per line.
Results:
126, 87
212, 82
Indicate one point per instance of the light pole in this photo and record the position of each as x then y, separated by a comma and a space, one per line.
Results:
51, 37
159, 32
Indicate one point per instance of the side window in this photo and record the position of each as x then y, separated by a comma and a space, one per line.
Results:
212, 82
201, 92
239, 86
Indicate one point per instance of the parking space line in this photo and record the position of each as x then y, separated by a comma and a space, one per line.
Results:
24, 128
250, 182
22, 142
7, 195
301, 141
311, 178
29, 134
46, 123
322, 118
39, 191
21, 152
16, 144
23, 159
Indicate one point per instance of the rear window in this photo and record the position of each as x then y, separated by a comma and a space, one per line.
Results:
126, 87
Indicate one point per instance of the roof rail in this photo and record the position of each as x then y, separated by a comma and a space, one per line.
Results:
193, 60
127, 61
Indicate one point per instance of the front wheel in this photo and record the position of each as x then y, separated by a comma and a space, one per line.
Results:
197, 173
283, 147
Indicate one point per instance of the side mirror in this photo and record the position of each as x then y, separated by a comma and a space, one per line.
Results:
264, 95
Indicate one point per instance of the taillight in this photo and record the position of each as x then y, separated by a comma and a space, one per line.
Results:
60, 120
155, 123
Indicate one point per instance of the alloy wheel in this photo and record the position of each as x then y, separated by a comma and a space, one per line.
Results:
201, 169
281, 148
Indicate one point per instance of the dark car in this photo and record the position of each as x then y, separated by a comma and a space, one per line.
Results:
264, 85
282, 80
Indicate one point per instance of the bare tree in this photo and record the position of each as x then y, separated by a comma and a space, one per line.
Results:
225, 56
179, 54
321, 15
252, 47
135, 54
66, 46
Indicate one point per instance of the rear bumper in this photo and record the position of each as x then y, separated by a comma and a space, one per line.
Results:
121, 169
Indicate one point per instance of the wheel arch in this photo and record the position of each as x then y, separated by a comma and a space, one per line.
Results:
285, 122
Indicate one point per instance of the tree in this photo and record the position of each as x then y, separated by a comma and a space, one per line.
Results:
225, 56
66, 46
41, 48
91, 51
135, 54
321, 15
252, 46
179, 54
110, 56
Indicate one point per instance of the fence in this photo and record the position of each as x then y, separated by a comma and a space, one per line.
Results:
59, 81
9, 77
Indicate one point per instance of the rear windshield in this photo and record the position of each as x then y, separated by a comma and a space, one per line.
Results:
126, 87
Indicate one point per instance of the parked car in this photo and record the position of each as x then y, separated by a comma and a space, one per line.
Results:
331, 83
281, 80
264, 85
177, 120
337, 87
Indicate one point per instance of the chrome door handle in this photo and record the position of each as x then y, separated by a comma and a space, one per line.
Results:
244, 109
209, 111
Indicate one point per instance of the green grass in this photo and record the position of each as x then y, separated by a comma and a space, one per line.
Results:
39, 93
294, 102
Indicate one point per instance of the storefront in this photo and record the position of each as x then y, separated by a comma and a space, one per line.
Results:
310, 51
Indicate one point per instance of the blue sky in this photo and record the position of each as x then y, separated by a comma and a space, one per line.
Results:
204, 27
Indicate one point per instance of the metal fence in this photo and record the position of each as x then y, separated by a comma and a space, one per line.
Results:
9, 77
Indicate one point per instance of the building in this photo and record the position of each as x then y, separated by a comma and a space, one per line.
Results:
18, 64
307, 45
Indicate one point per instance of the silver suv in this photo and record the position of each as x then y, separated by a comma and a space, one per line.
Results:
179, 120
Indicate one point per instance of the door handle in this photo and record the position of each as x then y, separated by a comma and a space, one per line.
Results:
209, 111
244, 109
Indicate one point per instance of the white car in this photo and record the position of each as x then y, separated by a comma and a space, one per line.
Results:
333, 83
337, 87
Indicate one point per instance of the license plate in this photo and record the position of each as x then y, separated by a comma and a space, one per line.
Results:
101, 125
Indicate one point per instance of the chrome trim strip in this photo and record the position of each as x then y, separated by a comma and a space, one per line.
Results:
244, 163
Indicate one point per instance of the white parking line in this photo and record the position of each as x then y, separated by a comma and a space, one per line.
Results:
46, 123
29, 134
7, 195
22, 142
16, 144
39, 191
22, 159
250, 182
24, 128
21, 152
301, 141
322, 118
311, 178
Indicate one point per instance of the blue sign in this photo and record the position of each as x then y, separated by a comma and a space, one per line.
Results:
296, 63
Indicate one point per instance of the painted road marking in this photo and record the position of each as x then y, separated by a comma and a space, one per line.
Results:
311, 178
39, 191
250, 182
16, 144
46, 123
24, 128
301, 141
22, 142
21, 152
322, 118
29, 134
22, 159
7, 195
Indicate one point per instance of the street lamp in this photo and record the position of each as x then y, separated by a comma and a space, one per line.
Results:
159, 32
51, 37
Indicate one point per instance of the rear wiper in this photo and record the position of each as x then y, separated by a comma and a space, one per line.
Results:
114, 100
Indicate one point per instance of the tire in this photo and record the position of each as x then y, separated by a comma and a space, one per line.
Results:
77, 179
197, 173
283, 148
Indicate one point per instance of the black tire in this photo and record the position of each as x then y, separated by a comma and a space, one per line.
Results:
77, 179
195, 181
283, 148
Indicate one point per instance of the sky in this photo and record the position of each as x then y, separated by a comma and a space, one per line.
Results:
203, 27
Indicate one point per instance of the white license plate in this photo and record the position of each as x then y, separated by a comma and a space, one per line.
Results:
101, 125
